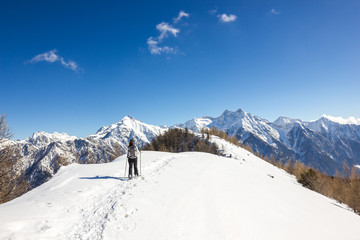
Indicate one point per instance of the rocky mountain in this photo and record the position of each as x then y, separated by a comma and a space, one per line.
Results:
42, 154
323, 144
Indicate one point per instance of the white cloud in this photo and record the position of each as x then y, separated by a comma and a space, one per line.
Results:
51, 57
274, 11
227, 18
341, 120
181, 15
165, 30
156, 50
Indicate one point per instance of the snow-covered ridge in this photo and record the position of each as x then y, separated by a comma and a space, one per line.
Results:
322, 143
41, 138
242, 197
231, 122
341, 120
286, 122
195, 124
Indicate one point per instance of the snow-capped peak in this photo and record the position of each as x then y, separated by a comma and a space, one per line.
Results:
127, 121
341, 120
285, 121
127, 128
196, 124
43, 138
231, 115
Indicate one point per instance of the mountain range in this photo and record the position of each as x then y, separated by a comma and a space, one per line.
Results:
42, 154
323, 144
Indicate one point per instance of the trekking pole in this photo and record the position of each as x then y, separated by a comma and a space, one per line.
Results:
125, 167
140, 162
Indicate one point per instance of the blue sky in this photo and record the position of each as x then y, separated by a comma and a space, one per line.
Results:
74, 66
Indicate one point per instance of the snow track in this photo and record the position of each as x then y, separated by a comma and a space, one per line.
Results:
94, 218
112, 207
180, 196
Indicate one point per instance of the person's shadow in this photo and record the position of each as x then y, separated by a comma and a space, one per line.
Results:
106, 177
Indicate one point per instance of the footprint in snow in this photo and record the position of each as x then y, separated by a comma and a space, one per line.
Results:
130, 226
45, 226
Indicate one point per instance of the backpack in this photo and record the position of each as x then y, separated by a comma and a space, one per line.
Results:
132, 152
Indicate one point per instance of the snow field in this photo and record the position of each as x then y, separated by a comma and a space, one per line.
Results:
181, 196
76, 203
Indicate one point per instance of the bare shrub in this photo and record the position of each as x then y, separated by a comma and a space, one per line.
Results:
178, 140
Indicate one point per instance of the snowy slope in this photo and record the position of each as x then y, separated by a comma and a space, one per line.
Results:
182, 196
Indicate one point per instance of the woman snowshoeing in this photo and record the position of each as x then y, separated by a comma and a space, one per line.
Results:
132, 155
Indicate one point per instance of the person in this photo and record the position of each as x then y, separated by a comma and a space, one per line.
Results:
132, 155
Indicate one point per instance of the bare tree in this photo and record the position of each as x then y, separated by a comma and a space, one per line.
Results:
5, 132
11, 184
354, 190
